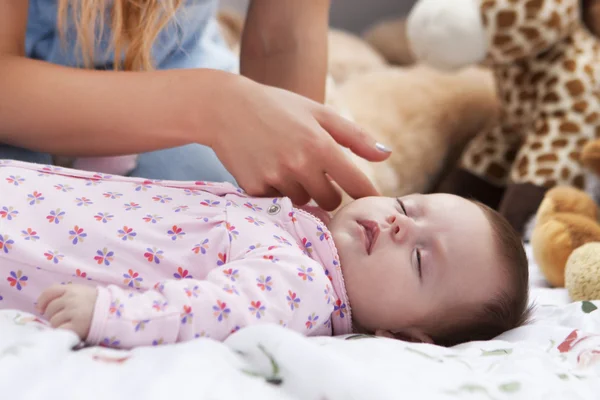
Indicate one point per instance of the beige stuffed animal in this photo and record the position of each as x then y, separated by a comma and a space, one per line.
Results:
425, 116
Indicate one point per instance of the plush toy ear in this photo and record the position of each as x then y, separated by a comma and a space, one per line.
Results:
407, 335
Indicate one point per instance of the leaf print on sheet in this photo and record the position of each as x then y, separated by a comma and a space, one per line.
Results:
53, 256
83, 202
132, 279
271, 258
180, 209
126, 233
305, 273
264, 283
81, 274
154, 254
257, 309
192, 291
201, 247
77, 235
233, 233
182, 274
55, 216
6, 243
15, 180
221, 311
293, 300
35, 198
104, 217
231, 289
158, 305
176, 233
110, 342
30, 234
8, 213
307, 245
588, 307
17, 279
328, 294
104, 256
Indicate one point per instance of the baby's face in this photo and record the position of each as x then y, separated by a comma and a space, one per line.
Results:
411, 261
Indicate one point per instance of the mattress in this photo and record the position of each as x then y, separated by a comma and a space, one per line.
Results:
557, 356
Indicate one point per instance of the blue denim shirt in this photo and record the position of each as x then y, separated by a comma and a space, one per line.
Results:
192, 40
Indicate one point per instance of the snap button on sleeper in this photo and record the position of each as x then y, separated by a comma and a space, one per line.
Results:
274, 209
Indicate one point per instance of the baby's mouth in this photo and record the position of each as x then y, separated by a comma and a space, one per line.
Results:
371, 231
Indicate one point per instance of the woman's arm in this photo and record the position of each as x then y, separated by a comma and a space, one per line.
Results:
285, 45
69, 111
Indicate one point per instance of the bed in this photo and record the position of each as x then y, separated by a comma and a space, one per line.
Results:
555, 357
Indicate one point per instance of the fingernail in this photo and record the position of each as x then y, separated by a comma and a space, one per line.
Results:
382, 147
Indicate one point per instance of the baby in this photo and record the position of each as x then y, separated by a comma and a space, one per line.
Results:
125, 262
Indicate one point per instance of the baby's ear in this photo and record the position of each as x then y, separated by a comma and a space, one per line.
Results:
407, 335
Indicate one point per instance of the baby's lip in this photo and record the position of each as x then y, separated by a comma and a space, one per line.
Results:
371, 232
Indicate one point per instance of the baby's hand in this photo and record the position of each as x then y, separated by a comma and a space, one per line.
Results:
69, 307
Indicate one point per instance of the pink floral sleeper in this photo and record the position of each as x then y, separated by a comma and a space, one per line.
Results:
171, 260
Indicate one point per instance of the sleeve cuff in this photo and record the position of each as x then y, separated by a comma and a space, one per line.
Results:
100, 316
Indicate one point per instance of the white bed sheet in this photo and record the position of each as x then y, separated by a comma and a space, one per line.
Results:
556, 357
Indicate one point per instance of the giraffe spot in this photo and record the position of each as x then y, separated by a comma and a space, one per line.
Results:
588, 69
559, 114
554, 21
565, 173
544, 172
532, 8
593, 117
520, 79
570, 65
543, 130
543, 114
495, 170
501, 40
550, 183
519, 112
505, 74
537, 77
476, 159
582, 142
551, 82
536, 146
569, 127
559, 143
489, 151
529, 33
574, 155
490, 139
515, 51
508, 97
510, 156
522, 166
485, 20
524, 96
505, 19
550, 98
575, 87
579, 181
580, 106
547, 158
488, 4
597, 132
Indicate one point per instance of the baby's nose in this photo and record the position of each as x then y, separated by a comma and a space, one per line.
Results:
401, 227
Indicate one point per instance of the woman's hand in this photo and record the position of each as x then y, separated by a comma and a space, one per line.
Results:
275, 142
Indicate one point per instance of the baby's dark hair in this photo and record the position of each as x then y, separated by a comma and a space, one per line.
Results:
510, 308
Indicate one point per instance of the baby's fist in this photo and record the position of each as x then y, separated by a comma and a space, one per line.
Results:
69, 307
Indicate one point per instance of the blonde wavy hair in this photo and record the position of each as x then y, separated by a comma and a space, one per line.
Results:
134, 24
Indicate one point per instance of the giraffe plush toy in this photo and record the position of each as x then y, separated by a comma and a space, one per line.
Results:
546, 66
